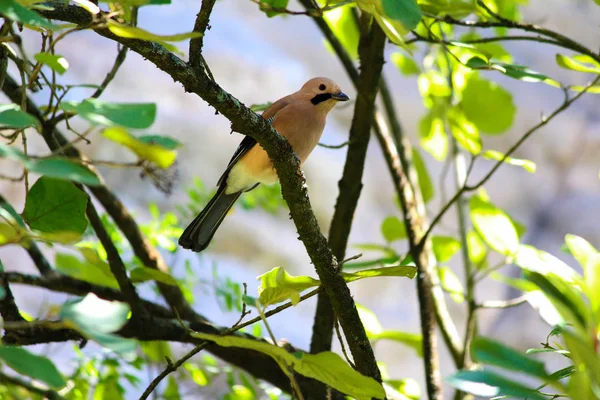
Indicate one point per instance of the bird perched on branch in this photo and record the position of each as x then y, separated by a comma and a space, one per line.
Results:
300, 117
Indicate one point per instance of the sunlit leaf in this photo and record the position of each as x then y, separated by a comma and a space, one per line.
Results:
406, 65
277, 286
494, 226
477, 249
535, 260
412, 340
54, 61
36, 367
392, 229
489, 106
54, 206
143, 274
341, 21
133, 32
444, 247
527, 165
405, 11
326, 367
464, 131
433, 136
153, 150
97, 273
581, 65
451, 284
408, 271
369, 321
425, 183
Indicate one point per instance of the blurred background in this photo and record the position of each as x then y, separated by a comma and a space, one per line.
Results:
261, 59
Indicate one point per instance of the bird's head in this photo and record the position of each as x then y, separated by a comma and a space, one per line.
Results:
323, 93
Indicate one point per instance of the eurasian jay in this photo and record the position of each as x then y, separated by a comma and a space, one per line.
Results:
300, 117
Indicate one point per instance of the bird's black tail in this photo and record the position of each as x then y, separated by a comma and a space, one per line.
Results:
200, 231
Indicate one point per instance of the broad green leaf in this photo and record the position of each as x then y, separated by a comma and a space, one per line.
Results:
444, 247
489, 106
272, 4
7, 212
407, 387
153, 151
12, 116
326, 367
98, 274
384, 261
164, 141
408, 271
36, 367
369, 320
143, 274
55, 167
464, 131
392, 29
489, 384
405, 11
451, 284
412, 340
519, 72
427, 188
56, 206
277, 286
341, 21
491, 50
577, 65
406, 65
433, 84
433, 135
129, 115
491, 352
594, 89
96, 319
527, 165
494, 226
393, 229
13, 10
54, 61
592, 282
133, 32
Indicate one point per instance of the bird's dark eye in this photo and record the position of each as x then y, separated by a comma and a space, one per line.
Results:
322, 87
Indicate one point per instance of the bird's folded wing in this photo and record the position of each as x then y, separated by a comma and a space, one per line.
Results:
249, 142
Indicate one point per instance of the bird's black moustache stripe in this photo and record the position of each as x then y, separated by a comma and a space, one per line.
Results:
320, 98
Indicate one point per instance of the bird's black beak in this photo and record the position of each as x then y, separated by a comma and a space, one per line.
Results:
340, 97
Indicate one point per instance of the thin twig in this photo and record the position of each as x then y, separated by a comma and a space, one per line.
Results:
499, 304
334, 146
336, 325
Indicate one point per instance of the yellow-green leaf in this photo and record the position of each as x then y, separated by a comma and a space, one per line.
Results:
405, 64
527, 165
158, 154
97, 272
393, 229
341, 22
477, 249
408, 271
54, 61
425, 183
143, 274
412, 340
133, 32
488, 105
277, 286
494, 226
464, 131
433, 136
444, 247
581, 64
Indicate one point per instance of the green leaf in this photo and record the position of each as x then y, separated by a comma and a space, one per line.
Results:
12, 116
160, 155
7, 212
406, 65
577, 65
369, 320
56, 167
489, 106
97, 273
408, 271
341, 21
477, 249
55, 62
491, 352
405, 11
132, 32
165, 142
277, 286
56, 206
11, 9
581, 249
464, 131
143, 274
433, 135
272, 4
129, 115
519, 72
488, 384
393, 229
427, 188
527, 165
369, 263
96, 319
494, 226
535, 260
451, 284
36, 367
326, 367
412, 340
444, 247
